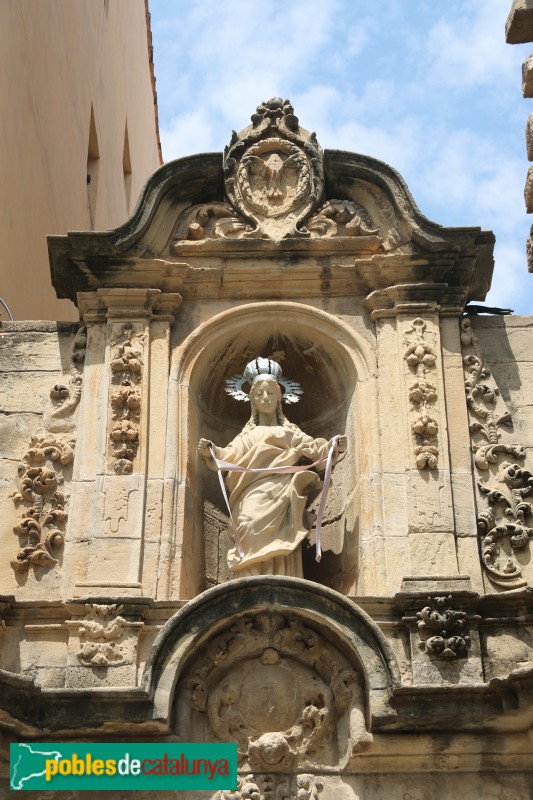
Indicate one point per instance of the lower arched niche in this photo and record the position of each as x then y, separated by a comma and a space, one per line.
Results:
294, 673
272, 682
323, 355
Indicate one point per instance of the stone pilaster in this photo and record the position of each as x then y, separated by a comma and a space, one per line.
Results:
121, 441
412, 407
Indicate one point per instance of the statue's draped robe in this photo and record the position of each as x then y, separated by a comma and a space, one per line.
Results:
267, 509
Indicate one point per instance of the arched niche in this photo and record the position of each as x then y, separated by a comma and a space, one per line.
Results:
332, 362
280, 625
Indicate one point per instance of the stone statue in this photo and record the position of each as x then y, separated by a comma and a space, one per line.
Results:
267, 508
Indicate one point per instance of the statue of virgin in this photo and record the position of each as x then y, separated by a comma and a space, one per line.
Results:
268, 489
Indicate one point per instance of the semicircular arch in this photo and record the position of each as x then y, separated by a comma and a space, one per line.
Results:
333, 362
336, 619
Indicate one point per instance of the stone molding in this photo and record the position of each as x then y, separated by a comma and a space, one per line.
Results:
435, 701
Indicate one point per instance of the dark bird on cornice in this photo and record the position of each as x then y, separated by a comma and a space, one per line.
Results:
472, 309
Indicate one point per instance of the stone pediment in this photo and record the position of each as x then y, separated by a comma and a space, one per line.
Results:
333, 222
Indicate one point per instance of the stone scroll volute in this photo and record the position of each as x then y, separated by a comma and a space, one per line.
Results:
41, 493
504, 482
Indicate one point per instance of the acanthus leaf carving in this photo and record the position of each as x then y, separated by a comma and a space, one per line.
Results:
273, 787
40, 475
421, 359
340, 218
505, 493
503, 525
218, 220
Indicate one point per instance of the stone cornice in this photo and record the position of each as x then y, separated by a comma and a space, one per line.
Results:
153, 251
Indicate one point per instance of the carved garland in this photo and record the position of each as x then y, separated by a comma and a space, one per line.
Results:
126, 369
503, 525
40, 475
421, 359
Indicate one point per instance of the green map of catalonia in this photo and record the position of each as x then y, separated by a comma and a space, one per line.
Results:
29, 762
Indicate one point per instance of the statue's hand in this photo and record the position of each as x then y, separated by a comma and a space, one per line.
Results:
342, 445
203, 448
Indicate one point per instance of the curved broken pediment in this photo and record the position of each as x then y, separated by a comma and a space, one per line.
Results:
275, 196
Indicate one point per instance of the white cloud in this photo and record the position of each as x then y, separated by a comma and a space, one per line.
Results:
189, 133
466, 172
511, 283
469, 48
434, 93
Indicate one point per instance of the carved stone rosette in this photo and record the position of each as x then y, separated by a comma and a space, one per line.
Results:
421, 359
503, 525
126, 376
277, 688
100, 634
446, 628
40, 475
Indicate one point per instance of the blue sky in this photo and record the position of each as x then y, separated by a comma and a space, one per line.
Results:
430, 88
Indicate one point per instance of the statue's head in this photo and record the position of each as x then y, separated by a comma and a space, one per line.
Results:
265, 395
261, 369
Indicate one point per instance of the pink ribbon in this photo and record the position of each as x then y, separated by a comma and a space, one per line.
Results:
227, 467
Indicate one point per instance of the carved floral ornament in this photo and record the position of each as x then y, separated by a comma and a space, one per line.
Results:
274, 180
446, 628
100, 634
421, 359
504, 524
126, 376
278, 689
40, 475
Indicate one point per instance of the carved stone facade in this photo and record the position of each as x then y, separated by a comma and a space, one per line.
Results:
126, 369
40, 475
273, 661
503, 520
421, 358
403, 657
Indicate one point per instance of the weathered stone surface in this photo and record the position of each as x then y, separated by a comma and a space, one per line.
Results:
527, 77
29, 395
26, 350
529, 137
15, 434
43, 649
519, 24
433, 553
528, 188
394, 682
508, 650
